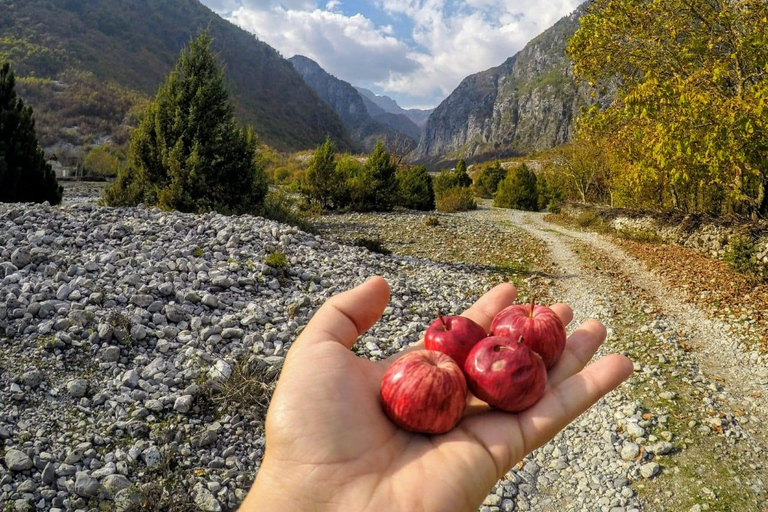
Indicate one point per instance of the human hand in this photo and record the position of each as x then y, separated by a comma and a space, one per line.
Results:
330, 447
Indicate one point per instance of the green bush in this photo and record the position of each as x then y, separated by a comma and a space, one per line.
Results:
554, 206
414, 187
431, 221
276, 260
518, 190
456, 199
279, 206
488, 180
462, 176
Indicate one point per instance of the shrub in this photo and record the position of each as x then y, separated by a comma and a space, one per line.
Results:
414, 187
321, 180
276, 260
456, 199
554, 206
488, 180
283, 208
518, 190
431, 221
461, 174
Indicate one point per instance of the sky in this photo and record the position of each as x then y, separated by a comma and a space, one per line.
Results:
415, 51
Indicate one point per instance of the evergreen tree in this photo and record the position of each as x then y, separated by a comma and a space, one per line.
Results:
462, 176
322, 182
518, 190
25, 176
189, 153
415, 189
382, 172
488, 181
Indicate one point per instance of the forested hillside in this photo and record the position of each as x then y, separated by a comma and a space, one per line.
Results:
84, 64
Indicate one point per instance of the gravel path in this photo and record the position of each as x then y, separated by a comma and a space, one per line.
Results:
697, 393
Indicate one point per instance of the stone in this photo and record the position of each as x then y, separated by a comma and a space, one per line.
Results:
220, 371
142, 301
49, 474
63, 292
661, 448
113, 484
175, 314
110, 354
77, 388
130, 378
32, 378
85, 485
211, 301
183, 404
635, 430
16, 460
128, 500
649, 470
153, 458
630, 451
21, 257
204, 499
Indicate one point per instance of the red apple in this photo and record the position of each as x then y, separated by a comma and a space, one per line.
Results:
505, 373
424, 391
454, 336
541, 329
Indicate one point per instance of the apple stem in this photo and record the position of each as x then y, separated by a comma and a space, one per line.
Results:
533, 301
442, 320
520, 340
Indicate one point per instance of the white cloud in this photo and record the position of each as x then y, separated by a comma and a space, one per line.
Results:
349, 47
449, 40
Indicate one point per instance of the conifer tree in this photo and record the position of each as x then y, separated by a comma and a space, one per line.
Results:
415, 189
189, 153
25, 176
518, 190
382, 172
462, 176
321, 182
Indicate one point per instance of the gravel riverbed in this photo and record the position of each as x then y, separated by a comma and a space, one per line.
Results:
126, 333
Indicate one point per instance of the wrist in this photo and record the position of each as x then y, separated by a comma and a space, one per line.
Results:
275, 490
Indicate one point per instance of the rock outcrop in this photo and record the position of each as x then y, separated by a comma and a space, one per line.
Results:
526, 104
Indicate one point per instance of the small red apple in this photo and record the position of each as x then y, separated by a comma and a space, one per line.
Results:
424, 391
454, 336
541, 329
505, 373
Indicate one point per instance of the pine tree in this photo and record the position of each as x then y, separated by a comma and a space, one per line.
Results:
415, 189
382, 171
462, 177
189, 153
25, 176
321, 182
518, 190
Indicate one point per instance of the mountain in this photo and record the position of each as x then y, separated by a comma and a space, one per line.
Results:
346, 101
526, 104
84, 64
399, 122
417, 116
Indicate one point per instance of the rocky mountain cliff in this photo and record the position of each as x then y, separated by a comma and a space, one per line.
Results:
526, 104
92, 61
364, 129
416, 115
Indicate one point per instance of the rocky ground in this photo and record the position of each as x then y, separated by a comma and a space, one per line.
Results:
138, 350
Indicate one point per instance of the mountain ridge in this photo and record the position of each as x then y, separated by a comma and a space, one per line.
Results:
135, 43
524, 105
364, 127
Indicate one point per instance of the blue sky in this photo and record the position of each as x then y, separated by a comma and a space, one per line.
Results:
415, 51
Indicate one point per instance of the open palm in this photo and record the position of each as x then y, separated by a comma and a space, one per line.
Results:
331, 447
